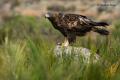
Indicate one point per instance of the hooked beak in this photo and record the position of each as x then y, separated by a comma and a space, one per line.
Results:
47, 15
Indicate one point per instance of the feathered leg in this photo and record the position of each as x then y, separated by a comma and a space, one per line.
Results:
71, 38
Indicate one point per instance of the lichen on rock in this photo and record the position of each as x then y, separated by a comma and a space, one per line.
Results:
77, 52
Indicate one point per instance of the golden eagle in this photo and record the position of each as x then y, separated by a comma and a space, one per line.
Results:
72, 25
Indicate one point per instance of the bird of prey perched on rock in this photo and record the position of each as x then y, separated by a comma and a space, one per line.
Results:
72, 25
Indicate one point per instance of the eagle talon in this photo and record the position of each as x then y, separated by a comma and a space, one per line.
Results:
65, 43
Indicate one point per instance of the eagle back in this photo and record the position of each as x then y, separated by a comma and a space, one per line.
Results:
72, 21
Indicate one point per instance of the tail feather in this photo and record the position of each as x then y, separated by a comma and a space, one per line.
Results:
101, 31
100, 24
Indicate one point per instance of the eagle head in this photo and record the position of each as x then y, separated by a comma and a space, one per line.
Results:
49, 15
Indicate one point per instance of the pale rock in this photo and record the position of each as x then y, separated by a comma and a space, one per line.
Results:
76, 52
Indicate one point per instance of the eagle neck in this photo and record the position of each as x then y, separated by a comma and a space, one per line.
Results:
52, 20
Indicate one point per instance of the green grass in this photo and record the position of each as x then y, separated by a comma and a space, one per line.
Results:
26, 53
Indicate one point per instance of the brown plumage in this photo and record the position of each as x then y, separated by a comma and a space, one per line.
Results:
72, 25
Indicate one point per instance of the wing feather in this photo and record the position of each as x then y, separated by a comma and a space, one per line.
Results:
74, 21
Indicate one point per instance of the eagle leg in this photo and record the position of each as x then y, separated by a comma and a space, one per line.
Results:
71, 38
66, 42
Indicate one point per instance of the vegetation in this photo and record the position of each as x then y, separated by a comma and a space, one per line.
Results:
26, 53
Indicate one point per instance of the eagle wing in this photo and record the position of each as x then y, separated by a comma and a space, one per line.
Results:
74, 21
